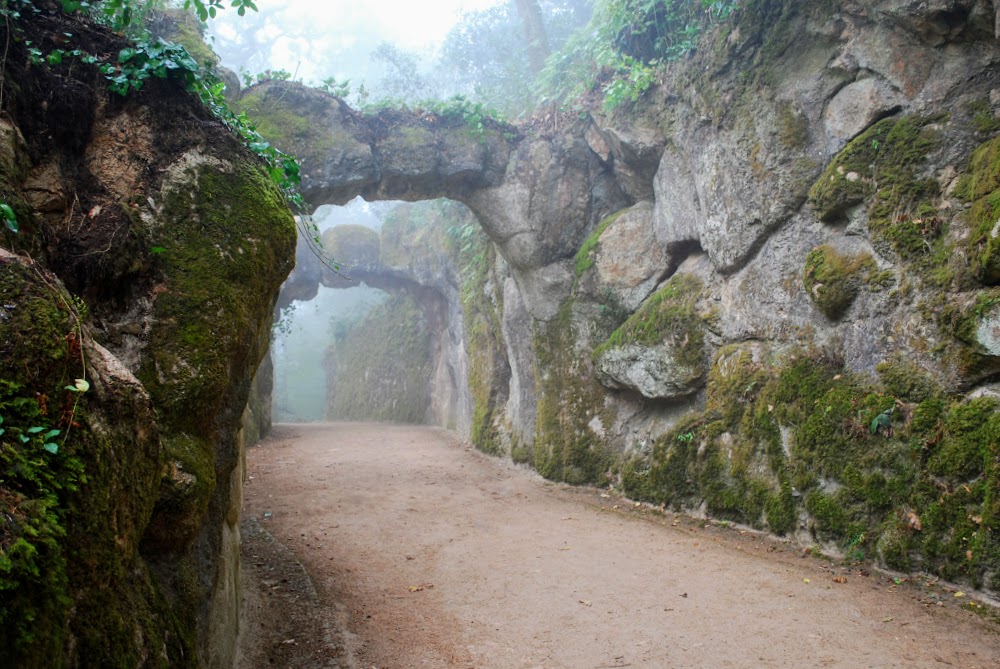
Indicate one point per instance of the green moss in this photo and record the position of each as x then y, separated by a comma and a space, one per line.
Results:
227, 235
669, 315
282, 125
971, 439
894, 544
780, 510
881, 167
585, 256
981, 187
880, 160
833, 280
906, 380
569, 399
982, 116
829, 516
73, 519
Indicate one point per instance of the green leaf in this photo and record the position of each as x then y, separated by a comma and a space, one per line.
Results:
51, 448
158, 249
51, 434
35, 430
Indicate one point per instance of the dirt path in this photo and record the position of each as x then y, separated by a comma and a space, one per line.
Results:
425, 553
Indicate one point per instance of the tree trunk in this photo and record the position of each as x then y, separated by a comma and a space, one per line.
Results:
534, 32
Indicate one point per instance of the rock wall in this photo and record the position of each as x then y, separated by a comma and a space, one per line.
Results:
150, 251
381, 370
766, 293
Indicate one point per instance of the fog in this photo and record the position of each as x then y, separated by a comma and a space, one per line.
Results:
317, 39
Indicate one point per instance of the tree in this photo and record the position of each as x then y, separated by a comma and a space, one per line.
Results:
534, 33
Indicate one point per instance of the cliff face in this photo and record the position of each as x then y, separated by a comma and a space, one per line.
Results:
150, 251
765, 294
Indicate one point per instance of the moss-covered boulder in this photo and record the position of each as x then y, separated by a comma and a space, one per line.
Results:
659, 351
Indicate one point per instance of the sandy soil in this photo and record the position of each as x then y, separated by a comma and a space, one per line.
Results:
425, 553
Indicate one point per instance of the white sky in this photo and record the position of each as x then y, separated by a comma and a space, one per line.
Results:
303, 35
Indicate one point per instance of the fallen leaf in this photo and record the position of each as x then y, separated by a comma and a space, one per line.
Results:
968, 554
840, 579
565, 548
615, 506
887, 620
288, 641
913, 520
95, 212
684, 594
837, 377
419, 588
960, 594
770, 408
585, 602
806, 580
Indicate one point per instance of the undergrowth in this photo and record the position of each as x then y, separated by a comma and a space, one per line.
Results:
623, 49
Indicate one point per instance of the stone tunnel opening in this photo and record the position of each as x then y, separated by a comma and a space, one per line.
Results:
383, 339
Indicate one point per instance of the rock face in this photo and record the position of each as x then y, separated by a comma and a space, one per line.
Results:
159, 244
755, 295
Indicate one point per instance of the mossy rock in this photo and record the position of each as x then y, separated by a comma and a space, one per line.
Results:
285, 127
981, 187
833, 280
228, 239
881, 168
669, 314
81, 500
566, 447
184, 28
352, 246
584, 258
